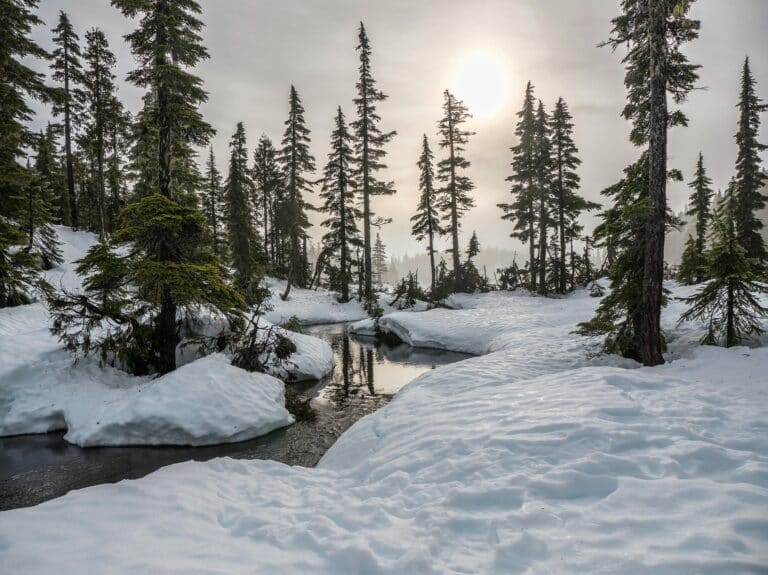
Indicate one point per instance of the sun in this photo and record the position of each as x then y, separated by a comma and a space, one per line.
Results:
482, 83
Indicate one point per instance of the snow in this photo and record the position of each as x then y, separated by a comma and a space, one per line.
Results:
205, 401
310, 307
531, 458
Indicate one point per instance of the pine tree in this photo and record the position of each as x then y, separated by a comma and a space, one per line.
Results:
212, 202
268, 181
569, 205
693, 265
369, 149
67, 71
339, 195
49, 169
750, 178
40, 205
118, 123
522, 209
296, 161
454, 199
653, 32
729, 303
426, 221
379, 260
99, 90
543, 190
243, 241
474, 246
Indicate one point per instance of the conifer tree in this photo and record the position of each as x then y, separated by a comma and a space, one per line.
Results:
565, 185
339, 195
212, 202
67, 71
369, 149
454, 198
729, 303
653, 32
267, 181
750, 178
379, 260
40, 205
693, 265
474, 246
118, 123
296, 161
426, 221
243, 242
99, 90
543, 190
18, 83
49, 169
522, 209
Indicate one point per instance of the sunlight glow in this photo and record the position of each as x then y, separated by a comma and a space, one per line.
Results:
482, 82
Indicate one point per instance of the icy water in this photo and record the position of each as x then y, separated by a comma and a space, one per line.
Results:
35, 468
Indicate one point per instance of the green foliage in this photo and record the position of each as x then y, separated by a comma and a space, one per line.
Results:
18, 269
268, 193
407, 292
293, 324
426, 220
510, 278
693, 266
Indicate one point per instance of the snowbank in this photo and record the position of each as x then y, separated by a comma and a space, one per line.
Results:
529, 459
310, 306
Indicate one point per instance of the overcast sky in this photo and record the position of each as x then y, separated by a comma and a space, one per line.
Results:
420, 47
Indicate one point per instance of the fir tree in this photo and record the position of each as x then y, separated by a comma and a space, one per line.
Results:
49, 169
243, 242
40, 204
118, 123
454, 194
653, 32
522, 209
426, 221
693, 265
212, 203
543, 191
565, 186
379, 260
729, 303
67, 71
296, 161
369, 149
268, 181
474, 246
750, 178
339, 195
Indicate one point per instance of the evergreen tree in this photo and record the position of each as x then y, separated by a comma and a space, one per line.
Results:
693, 265
296, 161
474, 246
565, 183
243, 242
369, 149
99, 90
49, 169
268, 181
379, 260
40, 204
338, 193
212, 203
18, 83
729, 303
67, 71
454, 194
543, 190
118, 123
426, 221
750, 178
522, 209
653, 32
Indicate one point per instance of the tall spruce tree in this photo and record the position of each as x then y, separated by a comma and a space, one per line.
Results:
543, 190
369, 149
379, 260
40, 202
729, 303
653, 33
750, 177
569, 205
68, 73
267, 181
244, 244
426, 221
522, 210
296, 162
99, 91
454, 198
212, 202
340, 198
694, 265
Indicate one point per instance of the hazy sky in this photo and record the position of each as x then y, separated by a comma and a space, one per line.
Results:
259, 48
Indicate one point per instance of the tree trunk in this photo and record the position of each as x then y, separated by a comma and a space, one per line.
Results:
454, 211
432, 263
730, 330
542, 245
68, 143
561, 223
653, 272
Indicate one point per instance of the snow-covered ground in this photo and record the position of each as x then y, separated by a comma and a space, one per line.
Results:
531, 458
205, 401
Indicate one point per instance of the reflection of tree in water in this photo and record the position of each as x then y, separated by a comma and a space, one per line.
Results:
353, 380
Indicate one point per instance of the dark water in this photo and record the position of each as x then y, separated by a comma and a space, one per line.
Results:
35, 468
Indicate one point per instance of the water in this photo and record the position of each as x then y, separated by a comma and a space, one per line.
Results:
35, 468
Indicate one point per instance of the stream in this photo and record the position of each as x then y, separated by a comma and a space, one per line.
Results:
35, 468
